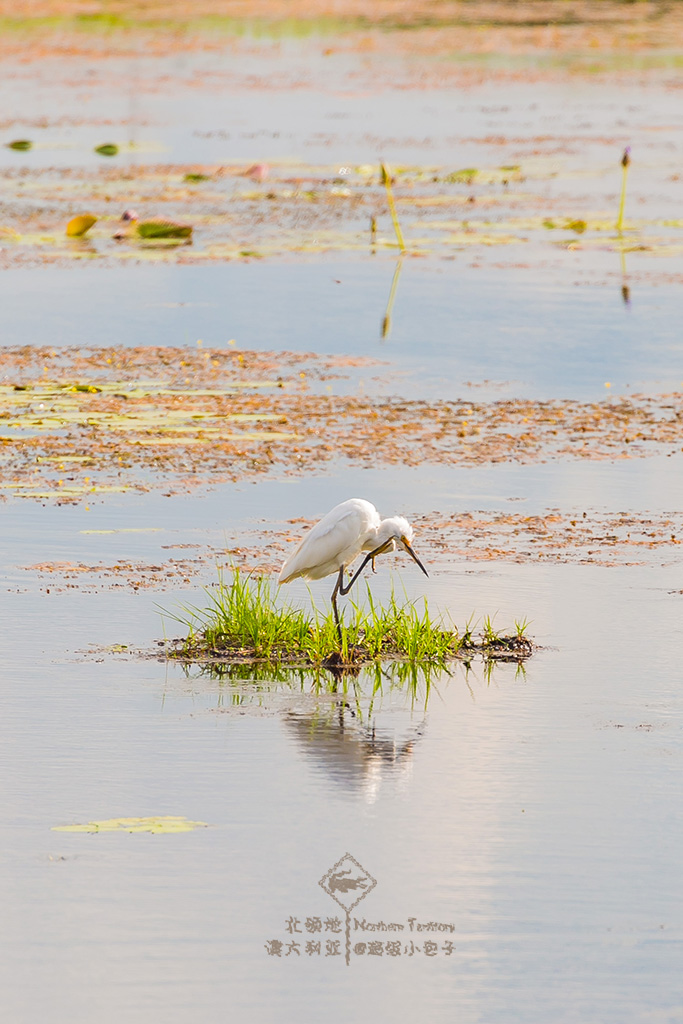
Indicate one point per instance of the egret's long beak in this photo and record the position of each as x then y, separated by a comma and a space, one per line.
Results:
412, 554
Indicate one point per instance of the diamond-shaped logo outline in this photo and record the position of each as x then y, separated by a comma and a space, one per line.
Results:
324, 882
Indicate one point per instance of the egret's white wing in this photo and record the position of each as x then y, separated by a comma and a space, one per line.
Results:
336, 540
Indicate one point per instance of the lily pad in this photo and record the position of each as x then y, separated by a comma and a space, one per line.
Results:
163, 229
79, 225
466, 175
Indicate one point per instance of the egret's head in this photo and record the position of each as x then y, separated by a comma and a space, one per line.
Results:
397, 532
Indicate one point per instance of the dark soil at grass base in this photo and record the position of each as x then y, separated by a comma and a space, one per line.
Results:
512, 648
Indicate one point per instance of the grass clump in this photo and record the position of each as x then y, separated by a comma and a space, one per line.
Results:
246, 622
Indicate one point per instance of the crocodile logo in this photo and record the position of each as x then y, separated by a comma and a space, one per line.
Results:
347, 882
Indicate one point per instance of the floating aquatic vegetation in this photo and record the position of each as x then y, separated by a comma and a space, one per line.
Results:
561, 537
449, 213
78, 226
133, 575
585, 536
470, 175
69, 438
465, 176
179, 419
163, 229
165, 824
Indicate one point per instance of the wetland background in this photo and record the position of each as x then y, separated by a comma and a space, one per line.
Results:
512, 385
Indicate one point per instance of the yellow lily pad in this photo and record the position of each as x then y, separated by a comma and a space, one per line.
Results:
165, 824
78, 226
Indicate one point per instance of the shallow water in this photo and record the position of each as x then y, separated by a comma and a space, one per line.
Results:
291, 101
492, 333
535, 812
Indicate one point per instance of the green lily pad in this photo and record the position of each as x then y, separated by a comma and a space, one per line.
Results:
467, 175
163, 229
577, 225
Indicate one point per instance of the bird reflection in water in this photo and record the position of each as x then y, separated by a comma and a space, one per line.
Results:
356, 756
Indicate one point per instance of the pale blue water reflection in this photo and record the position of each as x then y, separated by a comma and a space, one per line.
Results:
452, 326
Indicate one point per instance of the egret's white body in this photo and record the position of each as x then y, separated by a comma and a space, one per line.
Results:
339, 538
332, 544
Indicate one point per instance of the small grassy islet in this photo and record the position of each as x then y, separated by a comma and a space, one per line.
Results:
244, 622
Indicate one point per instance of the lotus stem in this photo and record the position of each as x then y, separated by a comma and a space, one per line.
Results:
386, 322
625, 161
386, 179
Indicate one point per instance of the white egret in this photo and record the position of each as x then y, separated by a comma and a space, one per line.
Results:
340, 536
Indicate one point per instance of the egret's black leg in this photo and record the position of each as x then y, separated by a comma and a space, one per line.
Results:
337, 588
343, 590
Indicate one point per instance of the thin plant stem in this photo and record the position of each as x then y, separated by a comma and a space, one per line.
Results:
625, 161
386, 179
386, 322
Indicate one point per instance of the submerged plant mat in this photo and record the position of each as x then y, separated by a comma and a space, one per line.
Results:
527, 192
588, 536
166, 574
78, 425
163, 824
305, 210
515, 26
